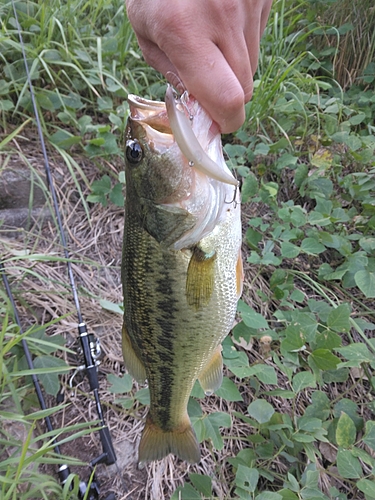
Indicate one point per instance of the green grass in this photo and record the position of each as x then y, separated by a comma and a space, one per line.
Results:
295, 414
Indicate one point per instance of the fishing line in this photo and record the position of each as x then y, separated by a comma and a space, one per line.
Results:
89, 345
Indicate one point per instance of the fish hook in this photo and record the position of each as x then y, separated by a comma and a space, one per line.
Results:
233, 200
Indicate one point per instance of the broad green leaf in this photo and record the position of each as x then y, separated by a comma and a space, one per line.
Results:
320, 407
102, 186
212, 431
369, 437
97, 141
303, 438
253, 237
353, 142
97, 198
104, 103
50, 381
242, 331
310, 478
119, 385
229, 391
345, 431
247, 478
349, 407
327, 339
260, 410
202, 483
294, 339
268, 495
365, 281
249, 187
356, 120
302, 380
197, 391
282, 393
321, 308
339, 318
324, 359
220, 419
307, 324
194, 408
297, 296
250, 317
348, 465
64, 139
321, 187
357, 353
312, 246
143, 396
367, 243
116, 196
289, 250
186, 492
367, 487
309, 424
294, 485
110, 306
364, 456
288, 495
266, 374
339, 375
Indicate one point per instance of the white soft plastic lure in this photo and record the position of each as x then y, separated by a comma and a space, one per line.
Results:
189, 144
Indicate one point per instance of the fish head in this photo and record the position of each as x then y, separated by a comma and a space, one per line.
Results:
155, 169
176, 202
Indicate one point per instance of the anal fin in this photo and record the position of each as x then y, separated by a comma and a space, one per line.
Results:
132, 362
211, 376
157, 443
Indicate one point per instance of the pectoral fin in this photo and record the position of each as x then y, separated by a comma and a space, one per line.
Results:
200, 278
211, 376
132, 362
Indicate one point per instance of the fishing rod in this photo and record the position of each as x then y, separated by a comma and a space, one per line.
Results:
63, 470
89, 491
90, 346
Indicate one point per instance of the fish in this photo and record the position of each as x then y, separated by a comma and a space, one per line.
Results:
181, 267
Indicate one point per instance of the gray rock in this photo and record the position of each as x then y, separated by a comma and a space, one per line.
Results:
22, 198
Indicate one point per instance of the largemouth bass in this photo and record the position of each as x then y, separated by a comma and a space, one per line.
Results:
182, 268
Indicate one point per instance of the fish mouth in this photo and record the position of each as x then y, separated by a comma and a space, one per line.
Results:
164, 122
152, 113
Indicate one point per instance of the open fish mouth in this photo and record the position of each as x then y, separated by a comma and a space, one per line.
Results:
170, 118
152, 113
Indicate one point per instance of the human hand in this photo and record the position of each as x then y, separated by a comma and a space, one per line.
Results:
212, 46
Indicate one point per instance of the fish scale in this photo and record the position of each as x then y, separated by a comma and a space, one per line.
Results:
179, 304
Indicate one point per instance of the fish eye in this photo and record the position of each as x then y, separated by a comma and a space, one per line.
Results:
133, 151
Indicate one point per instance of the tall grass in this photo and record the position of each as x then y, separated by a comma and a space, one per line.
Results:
24, 445
354, 35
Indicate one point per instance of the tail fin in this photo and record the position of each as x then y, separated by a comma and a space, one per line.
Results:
157, 443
